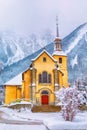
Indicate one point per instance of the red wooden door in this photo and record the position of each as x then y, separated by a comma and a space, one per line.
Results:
44, 99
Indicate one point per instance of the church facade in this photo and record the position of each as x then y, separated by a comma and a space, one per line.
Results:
46, 74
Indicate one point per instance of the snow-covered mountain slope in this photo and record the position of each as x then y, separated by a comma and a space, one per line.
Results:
75, 46
75, 37
10, 50
14, 47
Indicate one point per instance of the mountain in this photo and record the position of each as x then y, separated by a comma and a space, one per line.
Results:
14, 47
74, 45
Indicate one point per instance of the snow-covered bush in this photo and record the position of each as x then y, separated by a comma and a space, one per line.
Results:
69, 102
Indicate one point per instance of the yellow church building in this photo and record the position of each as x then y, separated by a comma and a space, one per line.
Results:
46, 74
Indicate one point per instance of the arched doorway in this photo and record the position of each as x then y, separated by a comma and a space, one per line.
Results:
44, 98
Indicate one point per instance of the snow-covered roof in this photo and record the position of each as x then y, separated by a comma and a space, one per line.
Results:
15, 81
60, 53
42, 53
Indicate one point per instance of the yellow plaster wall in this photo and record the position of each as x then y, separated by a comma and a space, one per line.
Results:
52, 97
47, 66
60, 79
18, 92
10, 94
27, 79
63, 68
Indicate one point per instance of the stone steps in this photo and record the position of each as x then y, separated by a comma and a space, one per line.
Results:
46, 108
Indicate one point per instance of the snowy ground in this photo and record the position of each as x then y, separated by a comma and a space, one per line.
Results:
21, 127
53, 121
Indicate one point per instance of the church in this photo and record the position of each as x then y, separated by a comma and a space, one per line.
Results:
46, 74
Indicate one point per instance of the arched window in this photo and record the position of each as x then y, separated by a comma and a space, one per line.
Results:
44, 59
44, 92
49, 78
40, 78
44, 77
23, 76
60, 60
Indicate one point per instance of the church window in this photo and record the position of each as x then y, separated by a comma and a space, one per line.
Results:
44, 92
39, 78
60, 60
44, 77
57, 45
49, 78
23, 76
31, 66
44, 59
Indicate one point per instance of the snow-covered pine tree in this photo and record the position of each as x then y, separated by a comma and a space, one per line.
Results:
81, 84
82, 97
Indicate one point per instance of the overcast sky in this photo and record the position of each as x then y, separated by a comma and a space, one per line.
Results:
35, 16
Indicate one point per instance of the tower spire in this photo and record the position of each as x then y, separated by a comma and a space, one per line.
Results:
57, 45
57, 31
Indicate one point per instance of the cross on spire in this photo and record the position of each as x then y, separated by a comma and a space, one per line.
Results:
57, 31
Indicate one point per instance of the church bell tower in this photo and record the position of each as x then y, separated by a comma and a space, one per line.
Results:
60, 56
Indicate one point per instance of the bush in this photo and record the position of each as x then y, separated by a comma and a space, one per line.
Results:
69, 100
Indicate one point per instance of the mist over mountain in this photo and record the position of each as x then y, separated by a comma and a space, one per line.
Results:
16, 57
14, 47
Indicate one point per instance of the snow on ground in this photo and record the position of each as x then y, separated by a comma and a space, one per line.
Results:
53, 121
21, 102
25, 114
57, 123
21, 127
15, 114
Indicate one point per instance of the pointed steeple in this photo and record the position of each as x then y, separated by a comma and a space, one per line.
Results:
57, 31
57, 41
